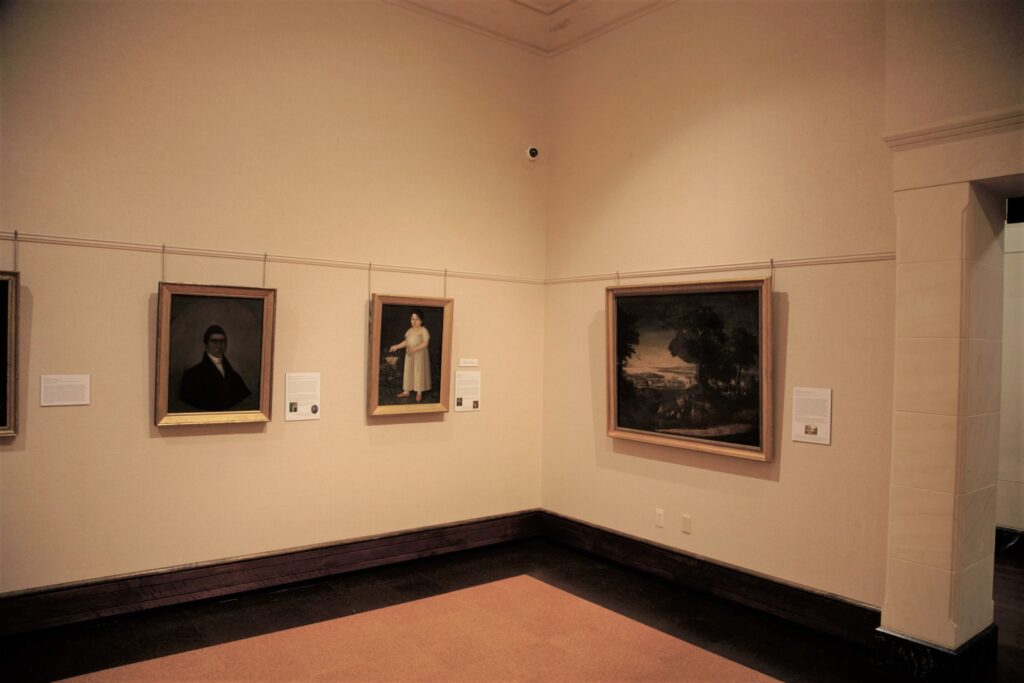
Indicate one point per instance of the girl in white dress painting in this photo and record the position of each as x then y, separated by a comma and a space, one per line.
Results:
416, 375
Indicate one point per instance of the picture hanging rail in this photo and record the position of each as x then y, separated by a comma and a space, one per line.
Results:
267, 258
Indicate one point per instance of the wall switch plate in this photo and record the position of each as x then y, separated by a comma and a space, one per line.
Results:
687, 527
659, 517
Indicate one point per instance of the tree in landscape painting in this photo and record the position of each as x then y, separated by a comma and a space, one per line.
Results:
626, 340
701, 341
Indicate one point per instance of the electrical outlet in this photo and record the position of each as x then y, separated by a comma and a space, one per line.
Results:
659, 517
687, 527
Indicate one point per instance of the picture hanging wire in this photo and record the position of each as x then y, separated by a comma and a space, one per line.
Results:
445, 283
163, 263
618, 280
15, 251
369, 279
772, 264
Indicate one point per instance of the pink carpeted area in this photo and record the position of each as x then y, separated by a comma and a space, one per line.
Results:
518, 629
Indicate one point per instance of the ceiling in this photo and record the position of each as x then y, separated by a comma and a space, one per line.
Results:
544, 27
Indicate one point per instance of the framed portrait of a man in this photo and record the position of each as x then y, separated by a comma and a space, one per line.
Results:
410, 355
690, 366
9, 353
214, 357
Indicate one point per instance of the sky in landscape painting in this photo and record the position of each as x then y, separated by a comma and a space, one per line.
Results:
652, 355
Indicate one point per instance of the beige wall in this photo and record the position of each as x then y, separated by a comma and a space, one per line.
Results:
952, 59
703, 134
1010, 498
347, 126
697, 137
353, 131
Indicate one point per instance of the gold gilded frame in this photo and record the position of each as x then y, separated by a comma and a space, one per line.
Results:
9, 427
442, 307
223, 296
705, 442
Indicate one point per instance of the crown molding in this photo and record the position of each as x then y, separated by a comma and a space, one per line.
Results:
546, 28
959, 128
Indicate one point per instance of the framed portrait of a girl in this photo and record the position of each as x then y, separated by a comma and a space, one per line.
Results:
410, 355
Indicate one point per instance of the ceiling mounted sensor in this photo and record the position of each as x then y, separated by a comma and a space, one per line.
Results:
544, 27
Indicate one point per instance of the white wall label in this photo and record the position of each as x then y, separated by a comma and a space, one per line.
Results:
64, 390
812, 415
301, 396
467, 390
468, 362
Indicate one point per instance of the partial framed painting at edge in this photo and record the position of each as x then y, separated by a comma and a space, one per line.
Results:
410, 355
9, 351
214, 354
690, 366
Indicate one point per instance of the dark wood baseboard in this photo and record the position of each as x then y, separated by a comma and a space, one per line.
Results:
81, 602
833, 615
53, 606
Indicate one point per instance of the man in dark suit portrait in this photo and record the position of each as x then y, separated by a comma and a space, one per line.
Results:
212, 384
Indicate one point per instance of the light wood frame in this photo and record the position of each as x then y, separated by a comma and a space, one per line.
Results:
9, 282
388, 315
694, 401
185, 313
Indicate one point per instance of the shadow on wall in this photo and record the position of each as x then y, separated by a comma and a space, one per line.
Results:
609, 451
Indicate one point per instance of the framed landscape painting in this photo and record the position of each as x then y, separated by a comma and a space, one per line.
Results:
410, 355
9, 352
214, 356
689, 366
